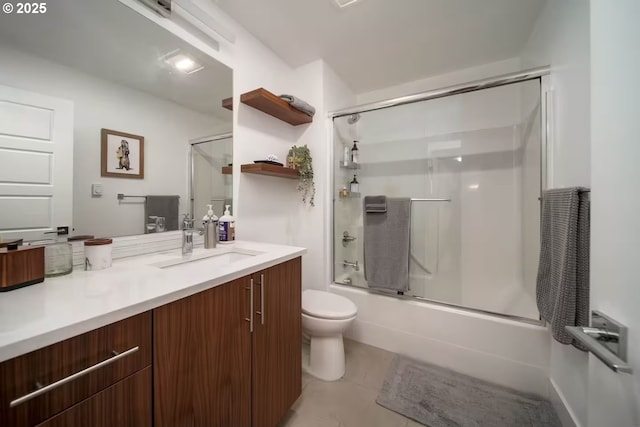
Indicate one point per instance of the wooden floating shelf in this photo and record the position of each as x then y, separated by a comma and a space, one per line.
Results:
227, 103
263, 100
270, 170
227, 170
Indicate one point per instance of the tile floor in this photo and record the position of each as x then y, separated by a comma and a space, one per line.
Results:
351, 401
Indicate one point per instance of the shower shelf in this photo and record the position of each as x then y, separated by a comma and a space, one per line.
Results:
349, 165
227, 170
353, 195
227, 103
265, 101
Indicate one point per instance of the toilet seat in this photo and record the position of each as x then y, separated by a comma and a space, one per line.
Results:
325, 305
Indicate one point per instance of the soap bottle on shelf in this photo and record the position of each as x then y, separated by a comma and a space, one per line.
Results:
354, 186
227, 226
354, 153
210, 223
344, 192
346, 156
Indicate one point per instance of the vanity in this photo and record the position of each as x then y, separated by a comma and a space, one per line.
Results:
210, 339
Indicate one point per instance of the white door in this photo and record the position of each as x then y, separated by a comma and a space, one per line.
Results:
36, 164
614, 398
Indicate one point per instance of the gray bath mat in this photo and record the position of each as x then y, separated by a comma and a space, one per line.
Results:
438, 397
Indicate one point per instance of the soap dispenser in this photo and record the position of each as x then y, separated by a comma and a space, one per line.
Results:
227, 227
210, 223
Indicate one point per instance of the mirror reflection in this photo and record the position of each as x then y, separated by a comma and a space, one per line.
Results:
211, 159
98, 110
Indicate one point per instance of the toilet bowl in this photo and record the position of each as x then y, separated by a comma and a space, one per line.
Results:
325, 316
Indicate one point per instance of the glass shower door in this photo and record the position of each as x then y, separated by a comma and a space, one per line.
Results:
481, 152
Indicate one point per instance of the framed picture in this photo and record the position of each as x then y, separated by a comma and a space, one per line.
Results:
122, 155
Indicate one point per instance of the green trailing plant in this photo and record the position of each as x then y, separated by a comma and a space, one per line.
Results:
299, 158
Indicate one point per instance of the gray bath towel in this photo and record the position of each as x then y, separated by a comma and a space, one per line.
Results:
375, 204
562, 290
386, 246
299, 104
166, 206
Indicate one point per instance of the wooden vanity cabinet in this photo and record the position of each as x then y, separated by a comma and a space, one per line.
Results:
277, 342
215, 366
77, 370
202, 359
229, 356
125, 404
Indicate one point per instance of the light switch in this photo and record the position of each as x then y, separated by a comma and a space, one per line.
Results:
96, 190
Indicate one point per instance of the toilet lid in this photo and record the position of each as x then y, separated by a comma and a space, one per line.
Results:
327, 305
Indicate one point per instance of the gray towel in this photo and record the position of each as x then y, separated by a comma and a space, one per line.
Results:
166, 206
299, 104
562, 291
375, 204
386, 246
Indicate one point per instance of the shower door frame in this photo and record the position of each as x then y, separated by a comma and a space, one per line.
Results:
546, 157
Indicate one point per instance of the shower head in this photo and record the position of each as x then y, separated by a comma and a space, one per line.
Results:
353, 118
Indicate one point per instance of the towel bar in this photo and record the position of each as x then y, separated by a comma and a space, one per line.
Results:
122, 196
606, 339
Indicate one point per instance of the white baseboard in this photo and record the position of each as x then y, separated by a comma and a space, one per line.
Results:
566, 415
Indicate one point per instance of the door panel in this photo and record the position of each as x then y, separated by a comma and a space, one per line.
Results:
277, 342
36, 163
202, 359
124, 404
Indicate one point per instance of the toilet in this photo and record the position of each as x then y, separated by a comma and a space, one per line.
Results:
325, 316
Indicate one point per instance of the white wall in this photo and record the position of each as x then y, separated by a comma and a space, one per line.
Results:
614, 399
269, 208
464, 75
166, 126
561, 39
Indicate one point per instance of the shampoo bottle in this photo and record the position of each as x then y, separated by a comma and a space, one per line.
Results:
355, 158
227, 229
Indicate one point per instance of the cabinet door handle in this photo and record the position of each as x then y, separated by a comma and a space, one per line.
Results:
250, 319
262, 291
42, 390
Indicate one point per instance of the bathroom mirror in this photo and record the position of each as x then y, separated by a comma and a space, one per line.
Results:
209, 156
98, 110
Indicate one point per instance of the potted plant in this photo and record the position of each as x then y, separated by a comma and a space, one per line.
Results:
299, 158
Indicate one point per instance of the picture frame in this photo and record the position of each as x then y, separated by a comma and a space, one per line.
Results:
122, 154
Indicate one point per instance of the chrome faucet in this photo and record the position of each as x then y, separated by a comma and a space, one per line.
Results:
187, 235
355, 265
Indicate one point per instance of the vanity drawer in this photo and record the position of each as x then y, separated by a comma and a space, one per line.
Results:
42, 383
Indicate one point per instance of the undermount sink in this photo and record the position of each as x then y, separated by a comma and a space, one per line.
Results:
215, 259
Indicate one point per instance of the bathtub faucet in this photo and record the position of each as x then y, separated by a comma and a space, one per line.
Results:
355, 265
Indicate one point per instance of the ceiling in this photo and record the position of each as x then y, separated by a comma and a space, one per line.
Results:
379, 43
108, 40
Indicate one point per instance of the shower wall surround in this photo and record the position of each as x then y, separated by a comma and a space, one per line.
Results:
481, 150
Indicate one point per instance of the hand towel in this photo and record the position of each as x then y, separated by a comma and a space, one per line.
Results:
386, 245
375, 204
562, 291
299, 104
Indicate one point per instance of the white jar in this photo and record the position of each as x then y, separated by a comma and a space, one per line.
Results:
97, 254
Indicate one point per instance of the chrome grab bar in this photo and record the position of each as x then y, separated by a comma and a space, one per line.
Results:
44, 389
606, 339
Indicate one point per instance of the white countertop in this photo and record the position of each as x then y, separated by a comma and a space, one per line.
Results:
62, 307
